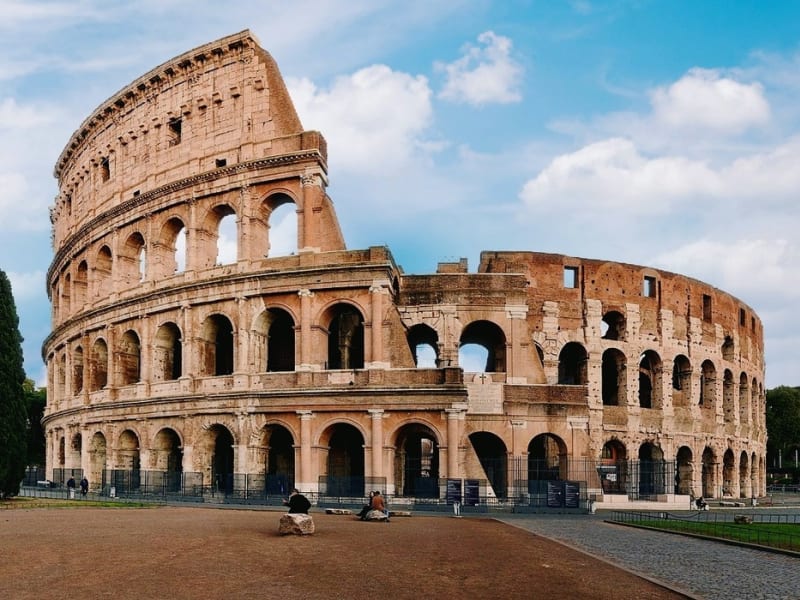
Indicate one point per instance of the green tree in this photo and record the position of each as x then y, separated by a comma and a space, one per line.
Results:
783, 420
13, 414
35, 401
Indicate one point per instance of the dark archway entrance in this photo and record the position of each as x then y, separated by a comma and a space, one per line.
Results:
279, 460
652, 472
544, 462
417, 462
493, 458
345, 462
222, 459
683, 480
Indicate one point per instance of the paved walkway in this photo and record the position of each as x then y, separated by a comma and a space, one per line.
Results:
700, 568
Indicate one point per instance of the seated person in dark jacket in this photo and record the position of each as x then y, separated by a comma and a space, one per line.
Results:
297, 503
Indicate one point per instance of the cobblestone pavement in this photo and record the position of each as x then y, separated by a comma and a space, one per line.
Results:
701, 568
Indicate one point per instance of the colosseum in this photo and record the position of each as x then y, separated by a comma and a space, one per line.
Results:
187, 361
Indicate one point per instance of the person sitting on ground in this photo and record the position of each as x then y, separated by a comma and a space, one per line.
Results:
297, 503
379, 504
367, 507
700, 503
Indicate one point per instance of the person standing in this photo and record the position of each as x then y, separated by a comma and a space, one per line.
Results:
71, 487
84, 486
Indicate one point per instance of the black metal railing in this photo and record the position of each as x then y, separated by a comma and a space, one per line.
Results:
780, 531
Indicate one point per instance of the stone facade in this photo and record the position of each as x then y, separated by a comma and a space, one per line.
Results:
307, 370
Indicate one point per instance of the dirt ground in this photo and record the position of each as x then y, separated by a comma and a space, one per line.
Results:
176, 553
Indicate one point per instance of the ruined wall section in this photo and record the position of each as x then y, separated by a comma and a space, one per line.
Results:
220, 104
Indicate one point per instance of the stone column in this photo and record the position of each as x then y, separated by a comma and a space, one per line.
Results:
376, 414
377, 292
305, 479
455, 418
305, 330
312, 195
515, 368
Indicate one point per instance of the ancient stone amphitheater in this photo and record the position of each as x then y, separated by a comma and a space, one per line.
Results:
188, 360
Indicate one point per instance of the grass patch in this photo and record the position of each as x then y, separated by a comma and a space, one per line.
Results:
25, 503
785, 536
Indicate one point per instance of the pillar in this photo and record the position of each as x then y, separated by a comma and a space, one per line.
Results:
376, 414
304, 479
455, 418
305, 329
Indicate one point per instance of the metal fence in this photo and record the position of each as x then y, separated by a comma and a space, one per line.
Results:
516, 483
774, 530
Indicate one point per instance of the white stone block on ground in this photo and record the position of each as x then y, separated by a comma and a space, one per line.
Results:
296, 524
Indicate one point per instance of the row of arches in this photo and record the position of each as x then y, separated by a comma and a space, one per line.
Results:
653, 384
272, 347
158, 250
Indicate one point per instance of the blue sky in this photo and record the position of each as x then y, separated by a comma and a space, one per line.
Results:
657, 133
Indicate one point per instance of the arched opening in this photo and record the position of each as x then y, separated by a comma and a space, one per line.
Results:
685, 474
279, 327
281, 226
278, 460
728, 472
650, 384
546, 462
709, 475
170, 251
652, 472
345, 338
754, 403
345, 461
66, 294
167, 458
227, 245
614, 387
755, 489
129, 358
728, 394
493, 458
77, 370
491, 338
613, 468
97, 461
744, 476
125, 477
61, 378
167, 353
424, 343
708, 385
62, 452
217, 451
572, 365
98, 366
744, 400
132, 260
102, 272
728, 348
81, 284
613, 326
681, 382
416, 467
216, 346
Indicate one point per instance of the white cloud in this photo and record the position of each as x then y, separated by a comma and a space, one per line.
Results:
752, 268
613, 174
484, 75
703, 98
373, 119
14, 116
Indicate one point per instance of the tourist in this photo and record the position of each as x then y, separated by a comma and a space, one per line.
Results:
379, 504
367, 507
71, 487
84, 486
297, 503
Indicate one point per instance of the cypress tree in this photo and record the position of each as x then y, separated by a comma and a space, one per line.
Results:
13, 412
